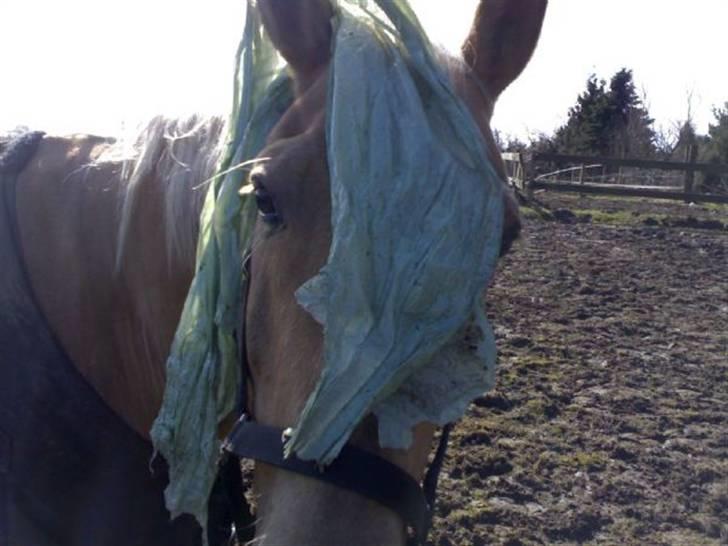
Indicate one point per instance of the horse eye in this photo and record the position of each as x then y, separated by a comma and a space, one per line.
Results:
266, 206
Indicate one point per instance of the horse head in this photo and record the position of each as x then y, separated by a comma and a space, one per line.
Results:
284, 343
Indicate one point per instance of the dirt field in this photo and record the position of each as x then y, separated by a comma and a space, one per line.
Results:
609, 424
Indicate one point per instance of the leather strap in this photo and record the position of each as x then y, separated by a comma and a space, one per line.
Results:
228, 508
354, 469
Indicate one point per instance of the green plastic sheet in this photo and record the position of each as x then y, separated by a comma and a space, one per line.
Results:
417, 219
203, 372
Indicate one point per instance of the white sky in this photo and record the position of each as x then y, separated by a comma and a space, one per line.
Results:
91, 65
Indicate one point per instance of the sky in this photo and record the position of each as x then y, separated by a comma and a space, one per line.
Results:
102, 67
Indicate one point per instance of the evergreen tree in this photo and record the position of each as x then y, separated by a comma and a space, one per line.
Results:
584, 131
630, 126
717, 146
608, 121
715, 149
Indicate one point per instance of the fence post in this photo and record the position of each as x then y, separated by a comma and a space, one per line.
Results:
526, 161
691, 157
521, 172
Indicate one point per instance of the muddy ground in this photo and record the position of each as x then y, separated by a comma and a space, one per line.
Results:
609, 423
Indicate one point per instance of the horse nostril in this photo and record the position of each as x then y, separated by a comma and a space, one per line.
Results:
511, 231
511, 224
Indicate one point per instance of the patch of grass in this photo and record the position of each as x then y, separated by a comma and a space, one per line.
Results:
537, 410
616, 218
626, 199
535, 406
538, 361
534, 214
473, 511
717, 207
546, 461
629, 527
591, 460
528, 212
554, 375
463, 516
596, 216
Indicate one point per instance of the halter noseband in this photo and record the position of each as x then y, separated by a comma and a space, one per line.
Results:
354, 469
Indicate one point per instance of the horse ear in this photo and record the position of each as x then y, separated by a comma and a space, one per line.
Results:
301, 32
502, 39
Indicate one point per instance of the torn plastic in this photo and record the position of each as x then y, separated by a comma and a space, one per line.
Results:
416, 221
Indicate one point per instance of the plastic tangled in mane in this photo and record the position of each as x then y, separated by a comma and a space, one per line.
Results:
410, 341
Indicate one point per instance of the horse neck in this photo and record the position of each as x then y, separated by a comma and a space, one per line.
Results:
104, 254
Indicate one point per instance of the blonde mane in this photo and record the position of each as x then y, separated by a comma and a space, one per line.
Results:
180, 155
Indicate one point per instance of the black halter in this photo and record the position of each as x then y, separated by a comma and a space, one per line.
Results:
354, 469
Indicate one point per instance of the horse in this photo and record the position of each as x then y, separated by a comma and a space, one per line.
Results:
101, 241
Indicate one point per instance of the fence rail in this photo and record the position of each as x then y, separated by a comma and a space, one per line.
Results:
522, 172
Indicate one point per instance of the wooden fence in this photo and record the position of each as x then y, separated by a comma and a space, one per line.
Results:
522, 171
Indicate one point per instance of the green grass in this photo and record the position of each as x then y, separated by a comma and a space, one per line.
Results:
535, 213
591, 460
720, 207
717, 207
615, 218
537, 361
